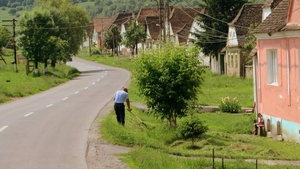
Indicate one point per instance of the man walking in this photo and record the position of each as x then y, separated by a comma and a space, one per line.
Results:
120, 97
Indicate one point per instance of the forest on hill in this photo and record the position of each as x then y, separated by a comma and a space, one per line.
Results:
102, 8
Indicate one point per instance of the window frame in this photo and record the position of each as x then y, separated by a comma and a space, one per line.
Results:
272, 66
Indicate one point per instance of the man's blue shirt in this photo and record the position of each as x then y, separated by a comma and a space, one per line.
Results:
121, 96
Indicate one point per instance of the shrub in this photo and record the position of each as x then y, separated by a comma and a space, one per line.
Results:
96, 52
12, 11
192, 128
230, 105
19, 8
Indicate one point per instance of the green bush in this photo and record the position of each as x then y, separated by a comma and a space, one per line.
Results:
229, 105
192, 128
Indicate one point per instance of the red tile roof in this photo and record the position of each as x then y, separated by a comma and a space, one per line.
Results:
179, 17
153, 27
271, 3
276, 21
146, 12
248, 14
121, 18
101, 24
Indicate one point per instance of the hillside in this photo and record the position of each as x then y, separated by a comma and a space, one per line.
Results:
96, 8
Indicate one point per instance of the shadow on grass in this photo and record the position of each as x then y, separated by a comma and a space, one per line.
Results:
193, 147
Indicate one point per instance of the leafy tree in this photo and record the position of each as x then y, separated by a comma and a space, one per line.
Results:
5, 37
112, 38
37, 27
58, 27
169, 79
214, 20
134, 35
76, 25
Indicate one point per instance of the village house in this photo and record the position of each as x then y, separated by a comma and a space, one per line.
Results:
100, 25
277, 69
236, 61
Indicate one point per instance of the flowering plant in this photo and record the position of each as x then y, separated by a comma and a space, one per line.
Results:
229, 105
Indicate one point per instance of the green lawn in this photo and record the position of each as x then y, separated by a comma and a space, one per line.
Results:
18, 84
213, 89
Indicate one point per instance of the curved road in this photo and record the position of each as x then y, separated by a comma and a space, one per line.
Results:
50, 130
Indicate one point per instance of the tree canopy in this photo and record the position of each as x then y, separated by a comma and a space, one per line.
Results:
112, 38
217, 15
169, 79
52, 31
134, 35
5, 37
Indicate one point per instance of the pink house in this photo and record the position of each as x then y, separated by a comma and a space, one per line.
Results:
277, 71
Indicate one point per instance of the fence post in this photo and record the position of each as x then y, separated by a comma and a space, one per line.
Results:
256, 163
222, 163
213, 157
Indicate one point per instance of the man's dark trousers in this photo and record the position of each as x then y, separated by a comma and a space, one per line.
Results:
120, 112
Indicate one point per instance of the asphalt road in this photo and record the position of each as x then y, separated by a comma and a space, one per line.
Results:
50, 130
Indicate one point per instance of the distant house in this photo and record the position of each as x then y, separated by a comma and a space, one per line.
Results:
149, 19
181, 22
100, 25
277, 70
177, 28
235, 60
103, 24
152, 31
126, 21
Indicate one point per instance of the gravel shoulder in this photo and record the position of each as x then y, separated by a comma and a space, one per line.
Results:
101, 154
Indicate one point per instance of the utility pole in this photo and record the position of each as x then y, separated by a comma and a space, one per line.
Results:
162, 19
168, 21
14, 40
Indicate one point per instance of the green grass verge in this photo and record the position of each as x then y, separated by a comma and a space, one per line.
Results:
18, 84
229, 135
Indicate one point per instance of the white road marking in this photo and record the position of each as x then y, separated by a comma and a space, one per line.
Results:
77, 92
4, 127
49, 105
86, 87
65, 98
93, 83
98, 80
28, 114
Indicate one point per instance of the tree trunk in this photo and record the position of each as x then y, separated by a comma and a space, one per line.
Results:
53, 64
132, 51
136, 48
36, 67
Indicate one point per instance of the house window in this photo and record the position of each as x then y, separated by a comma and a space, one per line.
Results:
272, 66
229, 60
236, 60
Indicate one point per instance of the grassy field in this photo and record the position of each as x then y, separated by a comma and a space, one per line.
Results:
18, 84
